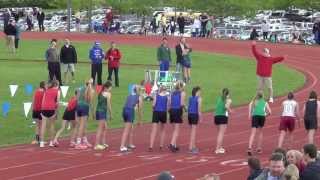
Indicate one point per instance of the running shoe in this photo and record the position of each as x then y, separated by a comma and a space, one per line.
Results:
81, 146
123, 149
131, 146
194, 151
249, 152
105, 145
99, 147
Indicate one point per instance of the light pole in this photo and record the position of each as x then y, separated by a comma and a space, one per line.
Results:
69, 14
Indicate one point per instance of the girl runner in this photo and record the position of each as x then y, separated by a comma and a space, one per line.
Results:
258, 110
36, 110
49, 112
311, 115
289, 114
177, 104
222, 111
134, 101
69, 116
103, 106
160, 106
194, 116
186, 63
84, 98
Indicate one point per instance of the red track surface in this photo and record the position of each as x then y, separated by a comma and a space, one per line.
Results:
30, 162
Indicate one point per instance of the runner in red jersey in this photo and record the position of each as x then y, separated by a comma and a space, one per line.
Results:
49, 111
36, 110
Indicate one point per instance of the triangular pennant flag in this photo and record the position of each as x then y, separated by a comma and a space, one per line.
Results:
5, 108
28, 89
13, 89
64, 90
98, 88
27, 107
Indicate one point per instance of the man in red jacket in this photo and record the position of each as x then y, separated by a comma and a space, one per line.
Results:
264, 69
113, 56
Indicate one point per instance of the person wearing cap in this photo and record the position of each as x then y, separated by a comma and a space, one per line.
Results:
96, 56
264, 69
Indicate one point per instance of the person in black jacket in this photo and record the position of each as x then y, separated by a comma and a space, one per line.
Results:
254, 34
40, 18
10, 31
255, 168
181, 24
68, 58
179, 53
312, 170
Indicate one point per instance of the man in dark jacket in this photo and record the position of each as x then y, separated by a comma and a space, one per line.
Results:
68, 58
113, 56
181, 24
96, 56
40, 18
312, 170
10, 31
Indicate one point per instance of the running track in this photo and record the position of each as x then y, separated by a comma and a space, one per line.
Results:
30, 162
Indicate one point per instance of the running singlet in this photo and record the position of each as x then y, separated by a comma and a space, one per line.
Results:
81, 98
289, 108
37, 99
311, 110
49, 101
132, 101
193, 105
102, 103
161, 103
175, 100
221, 108
260, 108
72, 104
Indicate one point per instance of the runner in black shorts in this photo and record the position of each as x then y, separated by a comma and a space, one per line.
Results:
69, 116
177, 102
258, 110
311, 115
160, 106
222, 111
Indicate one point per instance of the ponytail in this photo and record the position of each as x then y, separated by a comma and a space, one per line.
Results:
225, 93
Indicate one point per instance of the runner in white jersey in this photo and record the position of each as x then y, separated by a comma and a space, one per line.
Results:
290, 113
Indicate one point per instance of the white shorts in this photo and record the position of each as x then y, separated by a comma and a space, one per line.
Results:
68, 67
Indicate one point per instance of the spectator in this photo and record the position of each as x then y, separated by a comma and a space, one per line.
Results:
255, 168
264, 69
40, 18
295, 157
78, 24
291, 172
172, 26
283, 152
165, 175
108, 18
209, 28
6, 18
196, 26
17, 36
265, 30
29, 22
96, 56
276, 168
113, 55
316, 32
312, 170
53, 60
153, 24
181, 24
274, 37
164, 56
163, 24
204, 20
68, 58
10, 31
179, 53
254, 34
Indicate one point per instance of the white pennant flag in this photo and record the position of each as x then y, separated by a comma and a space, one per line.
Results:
13, 89
27, 107
64, 90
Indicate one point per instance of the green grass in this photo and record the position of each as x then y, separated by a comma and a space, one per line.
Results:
211, 71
